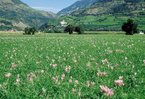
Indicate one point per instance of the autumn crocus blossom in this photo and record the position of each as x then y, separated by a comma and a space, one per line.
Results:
13, 65
30, 76
54, 65
8, 75
144, 61
90, 83
102, 74
67, 69
62, 76
18, 79
119, 82
107, 91
105, 61
55, 78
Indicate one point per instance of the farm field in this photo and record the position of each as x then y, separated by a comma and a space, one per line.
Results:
109, 22
62, 66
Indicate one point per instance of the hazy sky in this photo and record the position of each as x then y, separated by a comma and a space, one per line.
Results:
49, 5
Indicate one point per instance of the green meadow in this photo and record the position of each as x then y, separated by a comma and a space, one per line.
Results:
63, 66
104, 22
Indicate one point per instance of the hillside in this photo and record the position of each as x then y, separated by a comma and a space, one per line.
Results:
97, 7
16, 15
113, 7
80, 4
106, 14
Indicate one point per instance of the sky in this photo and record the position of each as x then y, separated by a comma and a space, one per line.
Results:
49, 5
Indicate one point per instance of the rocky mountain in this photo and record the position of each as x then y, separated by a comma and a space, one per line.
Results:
98, 7
17, 15
80, 4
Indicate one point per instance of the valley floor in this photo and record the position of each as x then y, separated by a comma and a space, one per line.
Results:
72, 66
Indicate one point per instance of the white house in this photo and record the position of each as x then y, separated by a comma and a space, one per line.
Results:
141, 32
63, 23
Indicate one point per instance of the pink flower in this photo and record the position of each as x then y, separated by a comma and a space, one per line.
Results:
119, 82
31, 76
8, 75
73, 90
126, 58
76, 82
42, 71
38, 62
120, 77
74, 59
67, 69
120, 51
102, 74
110, 51
116, 65
144, 61
107, 91
55, 78
13, 65
70, 80
79, 93
62, 76
54, 65
18, 79
88, 64
90, 83
105, 61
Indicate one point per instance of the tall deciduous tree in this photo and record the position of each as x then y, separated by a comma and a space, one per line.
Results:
69, 28
130, 27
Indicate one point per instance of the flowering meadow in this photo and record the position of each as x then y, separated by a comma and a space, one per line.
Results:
61, 66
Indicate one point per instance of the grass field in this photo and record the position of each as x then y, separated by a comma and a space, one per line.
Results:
109, 22
61, 66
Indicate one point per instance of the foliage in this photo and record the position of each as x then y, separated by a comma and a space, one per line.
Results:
69, 28
30, 31
46, 28
79, 29
129, 27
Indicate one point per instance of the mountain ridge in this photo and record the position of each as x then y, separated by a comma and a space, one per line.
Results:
97, 7
77, 5
14, 14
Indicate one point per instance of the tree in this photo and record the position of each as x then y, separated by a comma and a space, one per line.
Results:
33, 30
30, 31
129, 27
69, 28
26, 30
79, 29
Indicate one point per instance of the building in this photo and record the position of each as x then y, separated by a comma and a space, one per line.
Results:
63, 23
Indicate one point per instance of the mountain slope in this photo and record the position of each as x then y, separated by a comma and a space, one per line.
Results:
97, 7
107, 14
128, 7
80, 4
15, 14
